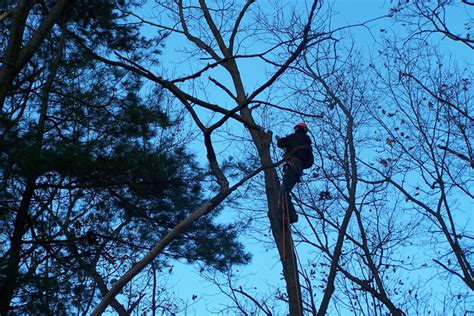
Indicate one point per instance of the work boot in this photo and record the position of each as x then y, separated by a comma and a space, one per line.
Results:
293, 217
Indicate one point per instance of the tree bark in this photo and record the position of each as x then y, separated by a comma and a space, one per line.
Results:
7, 73
260, 138
11, 272
280, 229
17, 58
172, 235
7, 289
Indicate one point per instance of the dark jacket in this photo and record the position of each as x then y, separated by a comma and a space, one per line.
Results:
303, 143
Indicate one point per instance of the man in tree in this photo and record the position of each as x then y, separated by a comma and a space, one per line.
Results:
298, 150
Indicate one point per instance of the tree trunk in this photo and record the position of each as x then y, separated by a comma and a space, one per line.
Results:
280, 231
11, 270
17, 57
7, 289
7, 73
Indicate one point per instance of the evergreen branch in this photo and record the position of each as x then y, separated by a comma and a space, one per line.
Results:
205, 209
6, 14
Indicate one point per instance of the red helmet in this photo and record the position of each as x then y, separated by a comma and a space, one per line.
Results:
302, 125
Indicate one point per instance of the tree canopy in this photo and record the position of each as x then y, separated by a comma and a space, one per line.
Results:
92, 173
135, 134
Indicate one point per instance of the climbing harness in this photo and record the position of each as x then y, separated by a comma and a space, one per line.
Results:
291, 164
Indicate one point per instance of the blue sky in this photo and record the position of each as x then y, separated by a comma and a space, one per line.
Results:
264, 272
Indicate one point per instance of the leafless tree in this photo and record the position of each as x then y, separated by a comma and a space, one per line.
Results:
219, 33
393, 138
427, 144
429, 132
344, 206
425, 19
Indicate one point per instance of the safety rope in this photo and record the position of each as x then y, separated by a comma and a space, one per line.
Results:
294, 254
285, 222
282, 207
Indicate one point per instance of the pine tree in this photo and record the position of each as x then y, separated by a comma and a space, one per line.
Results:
90, 175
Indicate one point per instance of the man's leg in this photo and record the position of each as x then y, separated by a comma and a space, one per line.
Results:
292, 216
289, 181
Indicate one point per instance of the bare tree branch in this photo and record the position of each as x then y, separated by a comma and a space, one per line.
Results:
250, 297
235, 29
215, 31
16, 59
198, 42
176, 231
437, 97
457, 154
